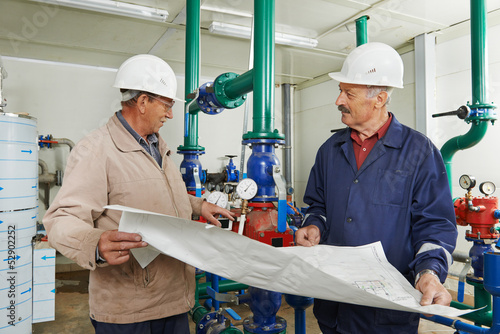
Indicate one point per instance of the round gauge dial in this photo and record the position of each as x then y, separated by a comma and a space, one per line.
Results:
218, 198
247, 189
487, 188
467, 181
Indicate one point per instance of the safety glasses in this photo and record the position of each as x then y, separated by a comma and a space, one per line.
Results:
168, 104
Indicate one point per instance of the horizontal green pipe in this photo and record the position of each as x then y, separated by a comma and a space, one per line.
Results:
482, 301
197, 312
478, 317
233, 89
224, 286
240, 85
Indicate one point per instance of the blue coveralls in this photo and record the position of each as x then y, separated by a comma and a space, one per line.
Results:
401, 197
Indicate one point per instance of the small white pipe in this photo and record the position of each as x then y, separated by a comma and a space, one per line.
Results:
243, 218
65, 141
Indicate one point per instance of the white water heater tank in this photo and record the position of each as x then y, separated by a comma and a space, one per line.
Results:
18, 216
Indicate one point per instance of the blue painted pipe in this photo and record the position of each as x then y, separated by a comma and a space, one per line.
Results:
300, 304
460, 325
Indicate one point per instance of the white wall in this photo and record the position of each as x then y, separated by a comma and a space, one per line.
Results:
69, 101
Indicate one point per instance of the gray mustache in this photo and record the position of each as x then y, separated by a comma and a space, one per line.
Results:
344, 109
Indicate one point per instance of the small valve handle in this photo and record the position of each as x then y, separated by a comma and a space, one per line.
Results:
463, 112
232, 314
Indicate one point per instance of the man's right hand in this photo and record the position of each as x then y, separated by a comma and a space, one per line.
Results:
115, 246
307, 236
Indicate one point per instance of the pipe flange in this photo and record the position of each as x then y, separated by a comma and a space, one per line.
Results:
220, 91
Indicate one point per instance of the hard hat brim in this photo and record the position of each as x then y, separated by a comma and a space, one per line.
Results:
338, 76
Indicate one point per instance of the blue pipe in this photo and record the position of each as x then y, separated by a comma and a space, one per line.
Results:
460, 325
300, 304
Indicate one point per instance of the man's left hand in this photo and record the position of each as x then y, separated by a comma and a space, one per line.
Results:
433, 291
209, 212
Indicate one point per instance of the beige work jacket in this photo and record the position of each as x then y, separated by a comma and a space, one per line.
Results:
110, 167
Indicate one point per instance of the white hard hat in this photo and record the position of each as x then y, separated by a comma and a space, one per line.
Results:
146, 73
372, 64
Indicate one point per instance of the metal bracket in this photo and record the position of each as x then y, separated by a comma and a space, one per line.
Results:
461, 279
222, 297
279, 180
186, 112
197, 181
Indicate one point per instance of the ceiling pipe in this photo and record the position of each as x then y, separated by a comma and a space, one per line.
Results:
191, 168
263, 74
361, 30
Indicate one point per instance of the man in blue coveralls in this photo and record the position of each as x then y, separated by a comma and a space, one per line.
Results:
379, 180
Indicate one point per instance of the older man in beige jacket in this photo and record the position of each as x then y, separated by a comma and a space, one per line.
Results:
126, 162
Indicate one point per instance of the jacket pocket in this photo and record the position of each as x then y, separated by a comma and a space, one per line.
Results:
391, 187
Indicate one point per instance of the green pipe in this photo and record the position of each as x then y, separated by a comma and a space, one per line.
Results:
479, 69
263, 73
479, 55
240, 86
224, 286
462, 142
198, 312
361, 30
230, 90
482, 298
192, 70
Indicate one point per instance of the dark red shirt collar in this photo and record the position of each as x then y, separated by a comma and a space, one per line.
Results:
363, 148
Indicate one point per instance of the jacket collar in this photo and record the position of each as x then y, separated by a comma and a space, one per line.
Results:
124, 140
392, 138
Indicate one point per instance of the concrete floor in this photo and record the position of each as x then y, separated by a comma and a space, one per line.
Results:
72, 311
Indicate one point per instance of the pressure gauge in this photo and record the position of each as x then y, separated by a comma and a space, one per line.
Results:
218, 198
467, 181
487, 188
247, 189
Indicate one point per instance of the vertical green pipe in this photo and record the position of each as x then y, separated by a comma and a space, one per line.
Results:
479, 55
479, 69
361, 30
192, 66
263, 94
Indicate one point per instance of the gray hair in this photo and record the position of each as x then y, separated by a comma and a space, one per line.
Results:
375, 90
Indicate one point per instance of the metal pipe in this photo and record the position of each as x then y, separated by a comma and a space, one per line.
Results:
65, 141
3, 75
287, 125
361, 30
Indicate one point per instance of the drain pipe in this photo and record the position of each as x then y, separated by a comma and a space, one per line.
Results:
3, 75
287, 125
481, 110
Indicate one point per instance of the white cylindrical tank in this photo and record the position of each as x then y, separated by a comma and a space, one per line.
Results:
18, 216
